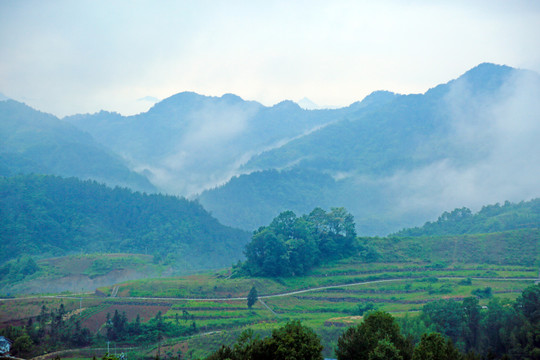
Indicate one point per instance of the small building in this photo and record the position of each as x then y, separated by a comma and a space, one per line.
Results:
5, 346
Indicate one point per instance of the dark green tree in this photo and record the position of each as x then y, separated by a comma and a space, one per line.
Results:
294, 341
434, 346
385, 350
471, 323
22, 345
497, 324
291, 246
252, 297
289, 342
358, 342
526, 336
446, 315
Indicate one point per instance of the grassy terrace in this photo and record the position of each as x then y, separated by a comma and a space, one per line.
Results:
394, 287
349, 271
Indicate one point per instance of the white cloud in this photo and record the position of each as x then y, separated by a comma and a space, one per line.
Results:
82, 56
505, 130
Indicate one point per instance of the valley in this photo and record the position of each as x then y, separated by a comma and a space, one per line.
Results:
151, 233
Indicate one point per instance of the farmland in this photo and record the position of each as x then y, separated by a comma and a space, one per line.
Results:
328, 300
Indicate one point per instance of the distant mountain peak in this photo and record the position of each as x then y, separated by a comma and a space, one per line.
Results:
487, 72
149, 99
481, 79
232, 98
3, 97
379, 97
287, 105
307, 104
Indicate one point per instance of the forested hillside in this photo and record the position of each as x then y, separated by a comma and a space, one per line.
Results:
255, 198
36, 142
52, 216
491, 218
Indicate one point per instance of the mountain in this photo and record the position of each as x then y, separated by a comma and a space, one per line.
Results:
307, 104
397, 160
256, 197
189, 142
36, 142
52, 216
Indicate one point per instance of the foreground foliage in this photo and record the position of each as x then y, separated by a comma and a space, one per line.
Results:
377, 337
292, 341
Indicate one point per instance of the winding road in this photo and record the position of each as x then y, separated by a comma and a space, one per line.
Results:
290, 293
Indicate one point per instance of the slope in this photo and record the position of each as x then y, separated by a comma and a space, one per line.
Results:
35, 142
51, 216
490, 218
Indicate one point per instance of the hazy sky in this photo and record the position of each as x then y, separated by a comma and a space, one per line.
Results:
68, 57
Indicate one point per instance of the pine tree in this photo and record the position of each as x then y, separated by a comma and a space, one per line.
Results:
252, 297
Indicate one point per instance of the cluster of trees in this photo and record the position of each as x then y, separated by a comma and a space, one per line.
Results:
119, 329
292, 341
17, 270
377, 338
48, 215
292, 245
503, 328
448, 329
53, 329
491, 218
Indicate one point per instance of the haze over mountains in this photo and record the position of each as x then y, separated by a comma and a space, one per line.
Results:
36, 142
393, 160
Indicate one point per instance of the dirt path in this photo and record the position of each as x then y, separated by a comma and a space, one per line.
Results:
268, 307
68, 351
290, 293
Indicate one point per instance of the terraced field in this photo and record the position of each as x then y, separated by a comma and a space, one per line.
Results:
327, 300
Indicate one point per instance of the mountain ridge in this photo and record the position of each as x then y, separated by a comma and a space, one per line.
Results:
384, 156
33, 141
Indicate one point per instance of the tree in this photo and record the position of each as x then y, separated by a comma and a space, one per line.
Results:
358, 342
252, 297
22, 345
526, 336
446, 315
385, 350
433, 346
471, 323
266, 254
529, 303
294, 341
497, 325
292, 245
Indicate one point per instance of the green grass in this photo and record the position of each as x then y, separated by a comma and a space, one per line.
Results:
329, 311
77, 267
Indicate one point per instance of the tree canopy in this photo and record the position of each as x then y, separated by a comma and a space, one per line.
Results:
292, 245
291, 341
